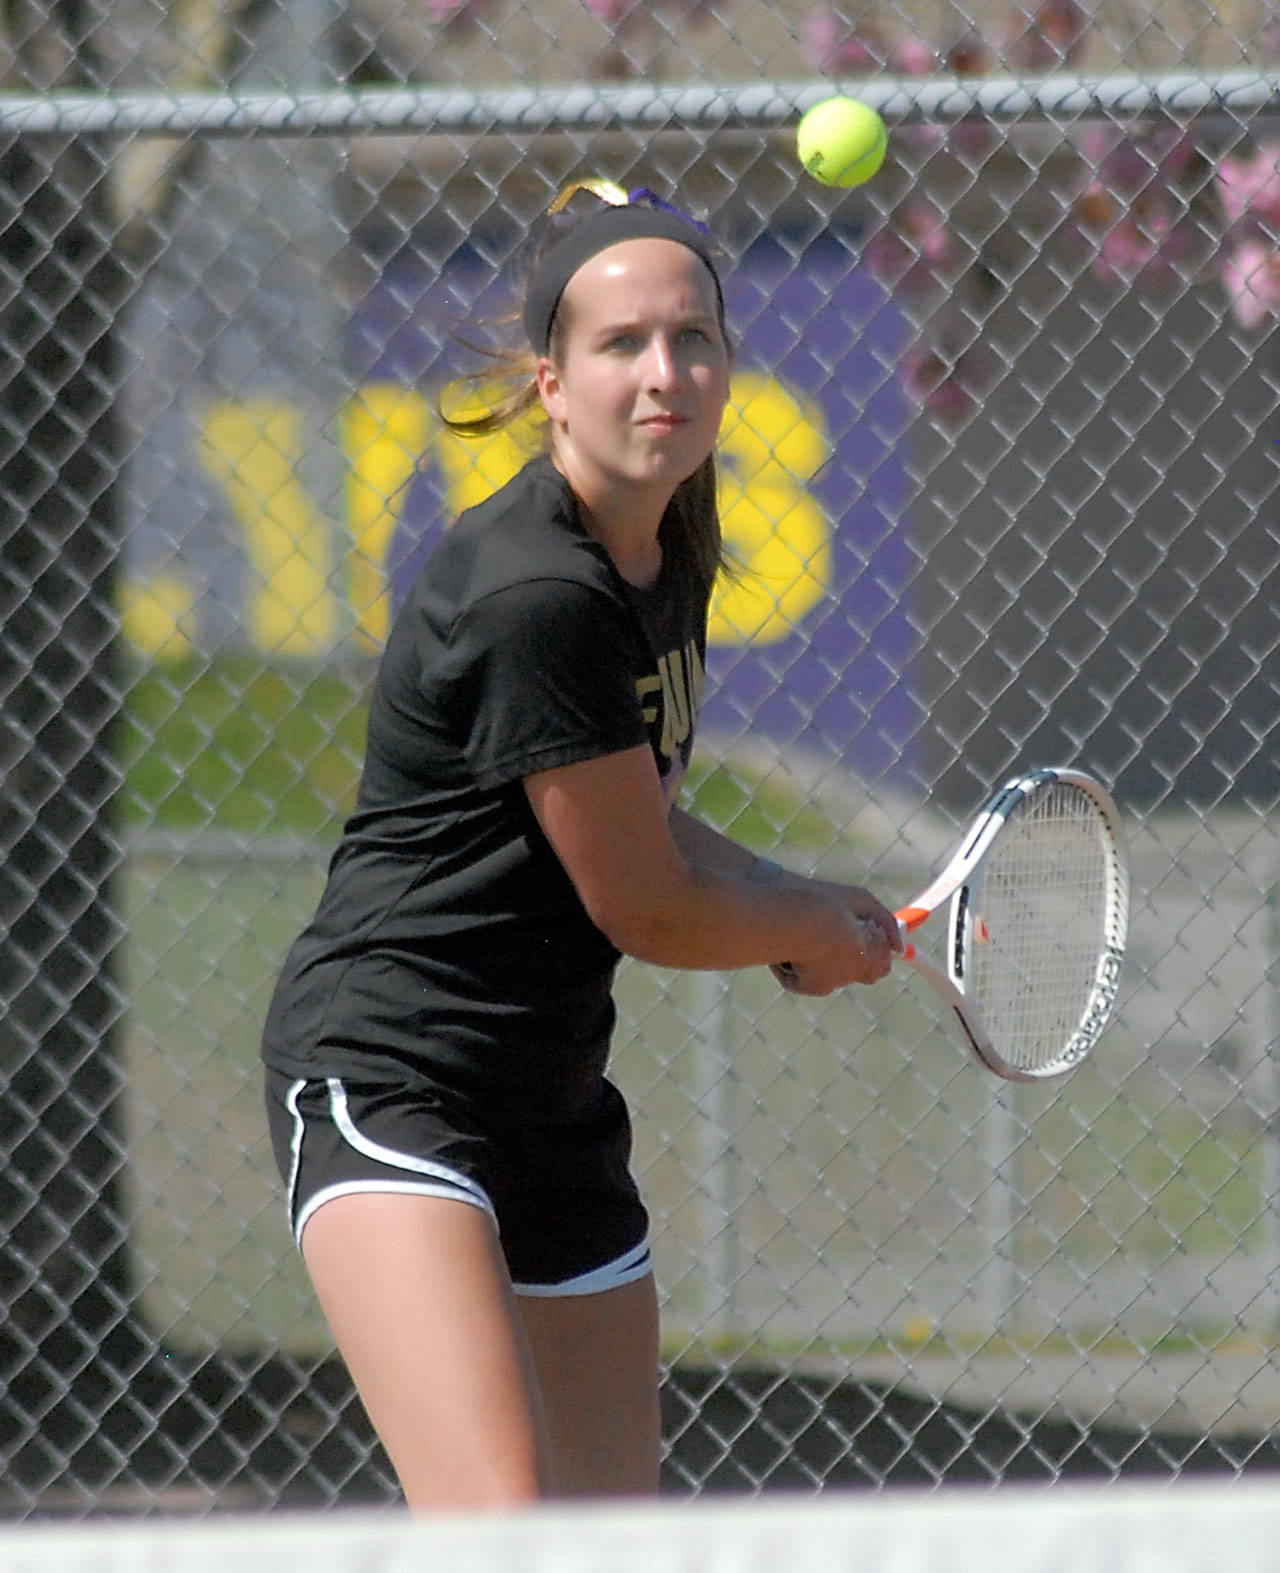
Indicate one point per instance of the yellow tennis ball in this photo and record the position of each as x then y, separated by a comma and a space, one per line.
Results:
841, 142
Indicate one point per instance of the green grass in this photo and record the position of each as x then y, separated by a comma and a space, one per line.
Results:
239, 747
757, 811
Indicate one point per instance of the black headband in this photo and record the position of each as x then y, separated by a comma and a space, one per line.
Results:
596, 233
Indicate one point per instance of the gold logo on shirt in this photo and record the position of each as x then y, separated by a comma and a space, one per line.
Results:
673, 694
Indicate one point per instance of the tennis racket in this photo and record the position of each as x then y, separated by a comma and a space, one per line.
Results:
1039, 912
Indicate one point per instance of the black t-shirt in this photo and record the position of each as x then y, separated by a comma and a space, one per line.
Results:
449, 940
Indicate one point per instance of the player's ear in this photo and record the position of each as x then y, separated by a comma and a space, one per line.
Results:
550, 389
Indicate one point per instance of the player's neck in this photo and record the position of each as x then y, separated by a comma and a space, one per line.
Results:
626, 521
637, 558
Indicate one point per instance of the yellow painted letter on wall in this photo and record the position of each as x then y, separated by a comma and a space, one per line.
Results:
254, 449
385, 432
771, 446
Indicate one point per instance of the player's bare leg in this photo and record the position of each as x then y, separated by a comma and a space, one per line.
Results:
596, 1357
417, 1295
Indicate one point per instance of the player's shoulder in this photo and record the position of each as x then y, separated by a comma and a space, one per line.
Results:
528, 532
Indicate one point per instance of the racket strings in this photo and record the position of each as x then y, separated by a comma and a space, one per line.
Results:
1039, 919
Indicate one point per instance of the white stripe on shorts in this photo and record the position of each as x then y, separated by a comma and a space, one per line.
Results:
626, 1269
437, 1178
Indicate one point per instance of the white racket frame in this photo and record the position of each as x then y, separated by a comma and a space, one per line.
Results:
958, 883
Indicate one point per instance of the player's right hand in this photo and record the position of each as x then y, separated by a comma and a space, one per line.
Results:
858, 950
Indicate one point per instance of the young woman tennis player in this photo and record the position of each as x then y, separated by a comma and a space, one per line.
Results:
456, 1160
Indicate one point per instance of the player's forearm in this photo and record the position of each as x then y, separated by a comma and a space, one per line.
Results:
719, 916
703, 847
712, 920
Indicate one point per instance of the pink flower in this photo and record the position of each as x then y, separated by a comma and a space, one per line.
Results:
1134, 212
610, 12
444, 11
1251, 276
911, 56
1150, 244
831, 45
1125, 250
915, 253
1249, 187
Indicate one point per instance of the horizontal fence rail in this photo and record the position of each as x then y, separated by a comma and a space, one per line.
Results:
647, 107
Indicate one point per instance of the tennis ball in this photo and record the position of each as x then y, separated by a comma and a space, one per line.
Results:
841, 142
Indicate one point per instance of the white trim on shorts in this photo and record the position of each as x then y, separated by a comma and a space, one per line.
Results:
437, 1180
636, 1263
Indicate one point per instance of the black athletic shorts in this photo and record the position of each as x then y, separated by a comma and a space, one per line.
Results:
567, 1211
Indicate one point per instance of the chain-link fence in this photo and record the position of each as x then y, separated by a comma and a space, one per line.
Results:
1001, 473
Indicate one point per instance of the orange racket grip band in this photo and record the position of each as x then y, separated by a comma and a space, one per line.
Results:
911, 917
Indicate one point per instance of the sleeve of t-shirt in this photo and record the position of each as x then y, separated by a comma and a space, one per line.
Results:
550, 679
